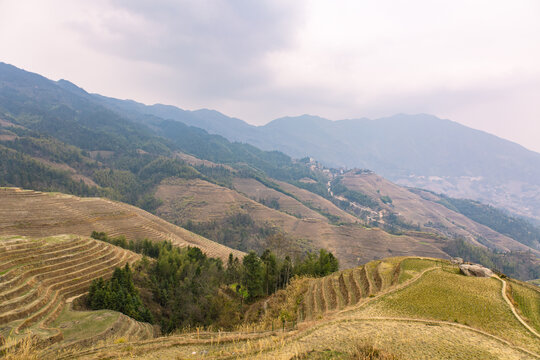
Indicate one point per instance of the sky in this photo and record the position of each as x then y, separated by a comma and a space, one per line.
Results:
476, 62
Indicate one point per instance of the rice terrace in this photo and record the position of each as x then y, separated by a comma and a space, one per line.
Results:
410, 307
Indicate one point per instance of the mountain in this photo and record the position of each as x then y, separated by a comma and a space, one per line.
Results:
413, 150
55, 136
217, 212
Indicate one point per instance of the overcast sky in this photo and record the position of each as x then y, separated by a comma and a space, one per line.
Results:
475, 62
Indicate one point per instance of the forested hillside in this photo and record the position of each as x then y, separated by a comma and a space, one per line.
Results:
55, 136
63, 140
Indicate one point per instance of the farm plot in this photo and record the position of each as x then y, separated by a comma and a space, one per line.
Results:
38, 276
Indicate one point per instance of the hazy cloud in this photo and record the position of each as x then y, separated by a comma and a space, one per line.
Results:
213, 48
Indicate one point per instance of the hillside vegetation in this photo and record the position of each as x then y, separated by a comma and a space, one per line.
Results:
402, 308
425, 213
417, 150
514, 227
205, 204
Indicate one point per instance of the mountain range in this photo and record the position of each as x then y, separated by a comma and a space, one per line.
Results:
121, 223
55, 136
413, 150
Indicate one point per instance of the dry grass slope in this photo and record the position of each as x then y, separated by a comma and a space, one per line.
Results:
201, 201
38, 214
426, 212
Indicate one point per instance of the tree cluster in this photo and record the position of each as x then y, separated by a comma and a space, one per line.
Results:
188, 288
119, 294
265, 274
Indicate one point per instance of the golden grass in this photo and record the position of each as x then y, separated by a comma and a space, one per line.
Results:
448, 296
527, 301
413, 266
19, 349
76, 325
337, 339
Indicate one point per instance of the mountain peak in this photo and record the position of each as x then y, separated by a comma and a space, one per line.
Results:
295, 121
68, 85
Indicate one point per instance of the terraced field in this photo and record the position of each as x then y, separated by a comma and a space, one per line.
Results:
347, 288
414, 308
38, 214
202, 201
258, 191
40, 277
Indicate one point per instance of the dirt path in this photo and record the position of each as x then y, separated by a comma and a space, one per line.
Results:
514, 311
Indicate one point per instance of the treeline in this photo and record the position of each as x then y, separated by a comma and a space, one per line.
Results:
216, 148
145, 247
127, 176
119, 294
519, 265
395, 224
184, 287
63, 124
518, 229
265, 274
20, 170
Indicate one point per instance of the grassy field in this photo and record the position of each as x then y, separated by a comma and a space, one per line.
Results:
413, 266
444, 294
327, 340
527, 300
77, 325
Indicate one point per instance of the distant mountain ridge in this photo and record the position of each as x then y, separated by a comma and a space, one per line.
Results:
413, 150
